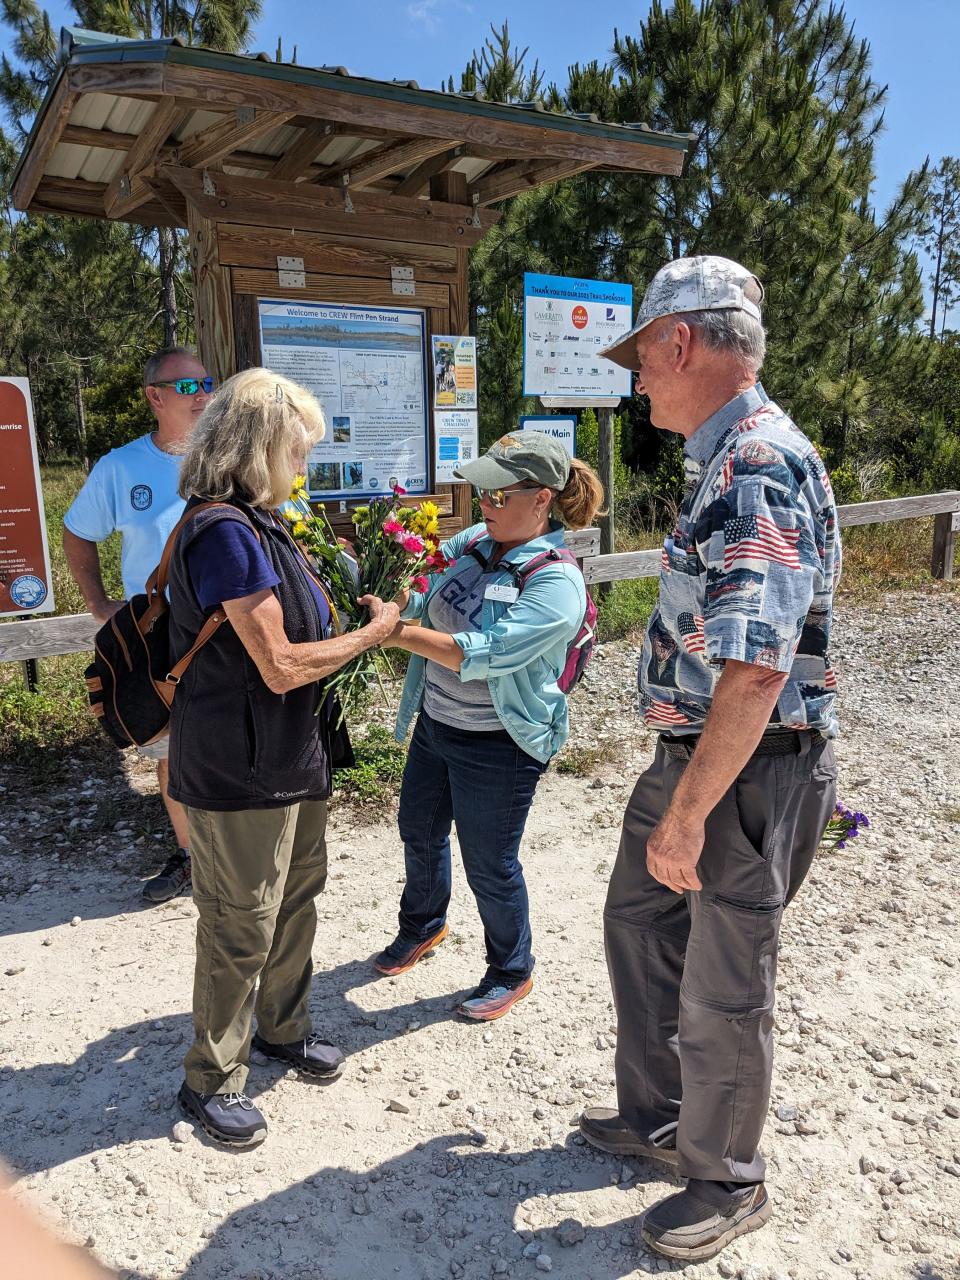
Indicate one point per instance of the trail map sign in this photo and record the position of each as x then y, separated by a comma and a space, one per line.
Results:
26, 585
566, 321
366, 367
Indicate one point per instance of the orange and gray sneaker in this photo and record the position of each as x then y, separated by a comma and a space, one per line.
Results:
401, 956
493, 998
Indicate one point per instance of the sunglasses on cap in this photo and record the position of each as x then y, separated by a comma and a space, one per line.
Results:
188, 386
498, 497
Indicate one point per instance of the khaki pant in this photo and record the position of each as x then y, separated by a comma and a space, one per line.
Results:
255, 876
693, 973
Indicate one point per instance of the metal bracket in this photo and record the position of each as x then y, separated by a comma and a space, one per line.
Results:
402, 282
290, 272
209, 189
475, 201
246, 115
345, 186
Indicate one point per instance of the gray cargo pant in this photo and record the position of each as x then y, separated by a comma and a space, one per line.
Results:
693, 973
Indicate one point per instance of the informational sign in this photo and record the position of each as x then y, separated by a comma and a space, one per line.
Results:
366, 366
565, 323
26, 585
454, 372
559, 426
457, 439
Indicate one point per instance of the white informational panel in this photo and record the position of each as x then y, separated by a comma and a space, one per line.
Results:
566, 322
454, 372
26, 583
558, 426
367, 367
457, 438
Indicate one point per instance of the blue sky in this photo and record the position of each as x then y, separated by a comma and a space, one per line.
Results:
914, 50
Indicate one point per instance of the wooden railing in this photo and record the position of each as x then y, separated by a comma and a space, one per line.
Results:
34, 638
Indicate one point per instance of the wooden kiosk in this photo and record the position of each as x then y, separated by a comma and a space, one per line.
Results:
300, 182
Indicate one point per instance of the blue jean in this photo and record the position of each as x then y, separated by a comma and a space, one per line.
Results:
485, 783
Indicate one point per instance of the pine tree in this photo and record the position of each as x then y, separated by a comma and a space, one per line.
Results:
939, 234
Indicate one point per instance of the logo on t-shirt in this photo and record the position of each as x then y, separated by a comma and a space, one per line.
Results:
141, 497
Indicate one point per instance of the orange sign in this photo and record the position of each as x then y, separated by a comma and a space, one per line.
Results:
26, 585
580, 317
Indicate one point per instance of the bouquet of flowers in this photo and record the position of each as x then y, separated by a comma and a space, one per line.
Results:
396, 547
844, 825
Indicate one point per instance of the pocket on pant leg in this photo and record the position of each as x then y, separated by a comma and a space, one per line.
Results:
731, 960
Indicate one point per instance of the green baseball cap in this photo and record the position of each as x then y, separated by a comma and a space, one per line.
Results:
523, 455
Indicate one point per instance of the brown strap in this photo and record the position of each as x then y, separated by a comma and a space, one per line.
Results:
206, 631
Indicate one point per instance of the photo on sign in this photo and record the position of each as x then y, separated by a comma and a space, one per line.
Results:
444, 373
323, 477
341, 431
353, 475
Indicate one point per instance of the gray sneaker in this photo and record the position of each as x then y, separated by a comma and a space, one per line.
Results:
172, 880
697, 1223
605, 1128
230, 1118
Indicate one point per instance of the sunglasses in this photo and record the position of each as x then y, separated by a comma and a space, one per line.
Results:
498, 497
188, 386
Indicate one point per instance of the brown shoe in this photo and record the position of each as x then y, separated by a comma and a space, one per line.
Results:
691, 1227
401, 956
605, 1128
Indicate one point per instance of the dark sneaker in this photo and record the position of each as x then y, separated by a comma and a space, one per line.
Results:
691, 1228
401, 956
230, 1118
312, 1056
492, 999
605, 1128
173, 879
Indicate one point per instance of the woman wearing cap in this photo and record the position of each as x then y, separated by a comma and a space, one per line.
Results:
483, 677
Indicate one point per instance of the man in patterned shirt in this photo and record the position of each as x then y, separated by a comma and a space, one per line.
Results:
720, 831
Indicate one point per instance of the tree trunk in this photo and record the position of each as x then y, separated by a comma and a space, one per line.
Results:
936, 277
169, 252
81, 416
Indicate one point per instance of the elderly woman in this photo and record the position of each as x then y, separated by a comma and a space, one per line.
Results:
250, 757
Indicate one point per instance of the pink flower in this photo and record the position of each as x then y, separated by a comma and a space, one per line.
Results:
392, 527
412, 544
419, 583
399, 490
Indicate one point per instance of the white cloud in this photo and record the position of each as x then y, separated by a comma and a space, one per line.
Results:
427, 12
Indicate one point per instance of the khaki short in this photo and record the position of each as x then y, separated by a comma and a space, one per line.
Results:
158, 750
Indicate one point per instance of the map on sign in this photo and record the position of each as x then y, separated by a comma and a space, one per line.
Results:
366, 367
566, 323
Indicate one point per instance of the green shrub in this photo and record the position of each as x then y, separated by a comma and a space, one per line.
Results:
375, 778
626, 607
116, 409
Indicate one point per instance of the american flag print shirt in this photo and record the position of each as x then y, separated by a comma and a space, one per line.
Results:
748, 573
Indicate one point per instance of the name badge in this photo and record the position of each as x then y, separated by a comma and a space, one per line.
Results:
499, 591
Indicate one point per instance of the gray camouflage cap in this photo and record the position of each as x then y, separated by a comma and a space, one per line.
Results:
523, 455
706, 283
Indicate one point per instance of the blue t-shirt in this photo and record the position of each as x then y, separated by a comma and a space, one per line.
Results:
132, 489
226, 562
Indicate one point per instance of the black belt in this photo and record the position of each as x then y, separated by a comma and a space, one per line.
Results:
776, 742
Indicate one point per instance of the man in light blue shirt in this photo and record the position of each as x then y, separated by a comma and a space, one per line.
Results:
133, 490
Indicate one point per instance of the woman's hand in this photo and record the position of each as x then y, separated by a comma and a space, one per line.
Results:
384, 616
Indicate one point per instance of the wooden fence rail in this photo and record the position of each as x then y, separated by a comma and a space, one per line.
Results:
35, 638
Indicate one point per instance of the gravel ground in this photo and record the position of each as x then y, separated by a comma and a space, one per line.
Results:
449, 1149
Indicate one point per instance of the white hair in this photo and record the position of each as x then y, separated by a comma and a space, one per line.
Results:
735, 332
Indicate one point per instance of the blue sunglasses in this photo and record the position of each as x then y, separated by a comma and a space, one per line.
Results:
187, 386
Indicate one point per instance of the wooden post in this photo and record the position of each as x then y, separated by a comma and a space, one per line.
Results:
213, 298
945, 527
605, 451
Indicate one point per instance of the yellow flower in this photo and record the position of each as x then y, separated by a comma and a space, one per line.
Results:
432, 528
299, 529
302, 494
430, 510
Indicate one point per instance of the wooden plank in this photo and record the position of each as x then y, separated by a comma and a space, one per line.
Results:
417, 180
374, 165
125, 79
292, 205
72, 197
213, 300
926, 504
47, 637
217, 142
944, 545
51, 127
623, 565
532, 136
300, 155
583, 542
127, 190
334, 255
331, 288
246, 332
78, 135
523, 177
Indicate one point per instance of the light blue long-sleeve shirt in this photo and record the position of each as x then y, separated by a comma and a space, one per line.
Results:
521, 647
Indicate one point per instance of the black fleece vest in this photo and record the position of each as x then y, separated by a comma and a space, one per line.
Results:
234, 744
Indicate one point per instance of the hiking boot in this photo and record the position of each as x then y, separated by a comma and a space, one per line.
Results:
230, 1118
697, 1223
311, 1056
493, 998
604, 1127
173, 879
401, 956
